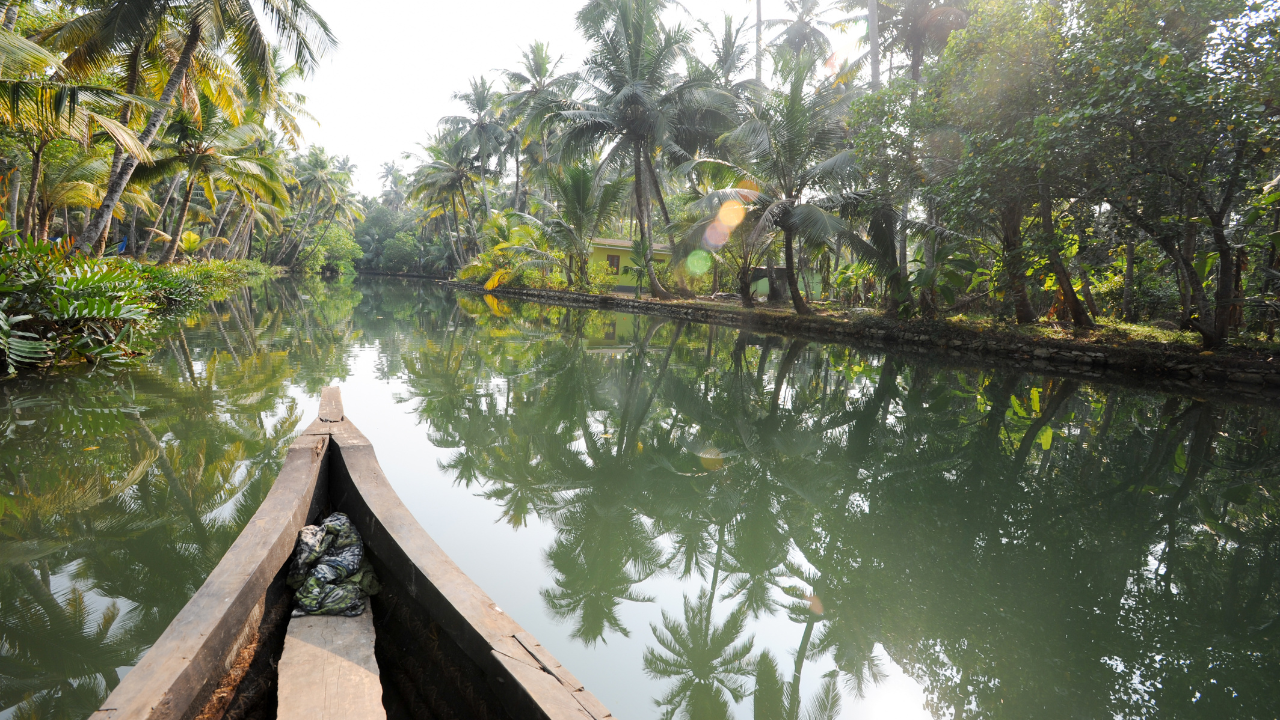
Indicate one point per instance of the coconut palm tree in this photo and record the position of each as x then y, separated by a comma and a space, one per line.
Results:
790, 145
532, 94
481, 129
231, 25
444, 180
917, 27
72, 179
584, 205
633, 100
805, 32
321, 179
210, 149
42, 109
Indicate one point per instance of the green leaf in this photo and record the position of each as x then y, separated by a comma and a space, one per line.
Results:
1045, 438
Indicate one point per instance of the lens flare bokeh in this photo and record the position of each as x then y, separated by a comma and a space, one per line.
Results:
729, 217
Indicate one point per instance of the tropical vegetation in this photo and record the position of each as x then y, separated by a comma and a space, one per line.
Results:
1018, 159
151, 158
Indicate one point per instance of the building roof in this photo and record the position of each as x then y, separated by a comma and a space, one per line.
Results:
624, 244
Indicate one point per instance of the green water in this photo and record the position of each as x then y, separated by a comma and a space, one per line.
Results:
944, 543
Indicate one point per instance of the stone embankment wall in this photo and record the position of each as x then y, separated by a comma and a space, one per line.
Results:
1250, 378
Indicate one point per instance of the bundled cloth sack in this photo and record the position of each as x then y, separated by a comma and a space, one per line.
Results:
329, 570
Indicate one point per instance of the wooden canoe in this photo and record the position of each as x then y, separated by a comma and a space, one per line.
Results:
444, 649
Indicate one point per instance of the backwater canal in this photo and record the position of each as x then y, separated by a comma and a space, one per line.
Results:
942, 543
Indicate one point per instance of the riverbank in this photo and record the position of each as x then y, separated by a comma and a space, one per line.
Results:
61, 307
1102, 354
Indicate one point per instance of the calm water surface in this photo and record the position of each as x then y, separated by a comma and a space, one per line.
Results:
688, 517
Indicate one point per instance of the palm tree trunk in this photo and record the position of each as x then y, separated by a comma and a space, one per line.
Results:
642, 217
315, 246
457, 231
759, 41
33, 192
116, 185
294, 240
11, 16
171, 252
222, 217
789, 241
484, 188
164, 207
246, 232
117, 156
1126, 305
517, 203
302, 237
131, 242
42, 222
744, 284
873, 40
793, 711
233, 249
682, 288
15, 189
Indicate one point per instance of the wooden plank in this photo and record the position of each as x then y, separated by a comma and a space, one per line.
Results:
328, 671
193, 653
530, 685
331, 405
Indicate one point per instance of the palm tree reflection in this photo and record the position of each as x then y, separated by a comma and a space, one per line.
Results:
993, 534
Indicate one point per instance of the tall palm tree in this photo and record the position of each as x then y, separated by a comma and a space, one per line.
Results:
730, 55
918, 27
393, 186
532, 94
632, 99
43, 109
481, 129
73, 179
444, 180
210, 149
321, 179
805, 32
231, 25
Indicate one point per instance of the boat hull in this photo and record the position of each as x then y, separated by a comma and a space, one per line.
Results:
445, 649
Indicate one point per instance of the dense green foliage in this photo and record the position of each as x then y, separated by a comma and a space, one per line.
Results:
146, 172
1019, 158
58, 306
170, 137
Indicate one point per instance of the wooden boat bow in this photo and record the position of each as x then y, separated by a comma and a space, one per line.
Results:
444, 647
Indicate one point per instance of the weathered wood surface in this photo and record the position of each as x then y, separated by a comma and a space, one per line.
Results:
328, 671
542, 688
199, 646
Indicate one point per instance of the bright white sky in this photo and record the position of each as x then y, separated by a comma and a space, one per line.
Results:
399, 61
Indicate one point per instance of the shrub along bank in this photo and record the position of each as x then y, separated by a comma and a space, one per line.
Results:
58, 306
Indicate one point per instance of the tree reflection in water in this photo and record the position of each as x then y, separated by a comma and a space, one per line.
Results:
1021, 546
122, 490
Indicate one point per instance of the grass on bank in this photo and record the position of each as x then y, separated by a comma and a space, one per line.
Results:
62, 307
